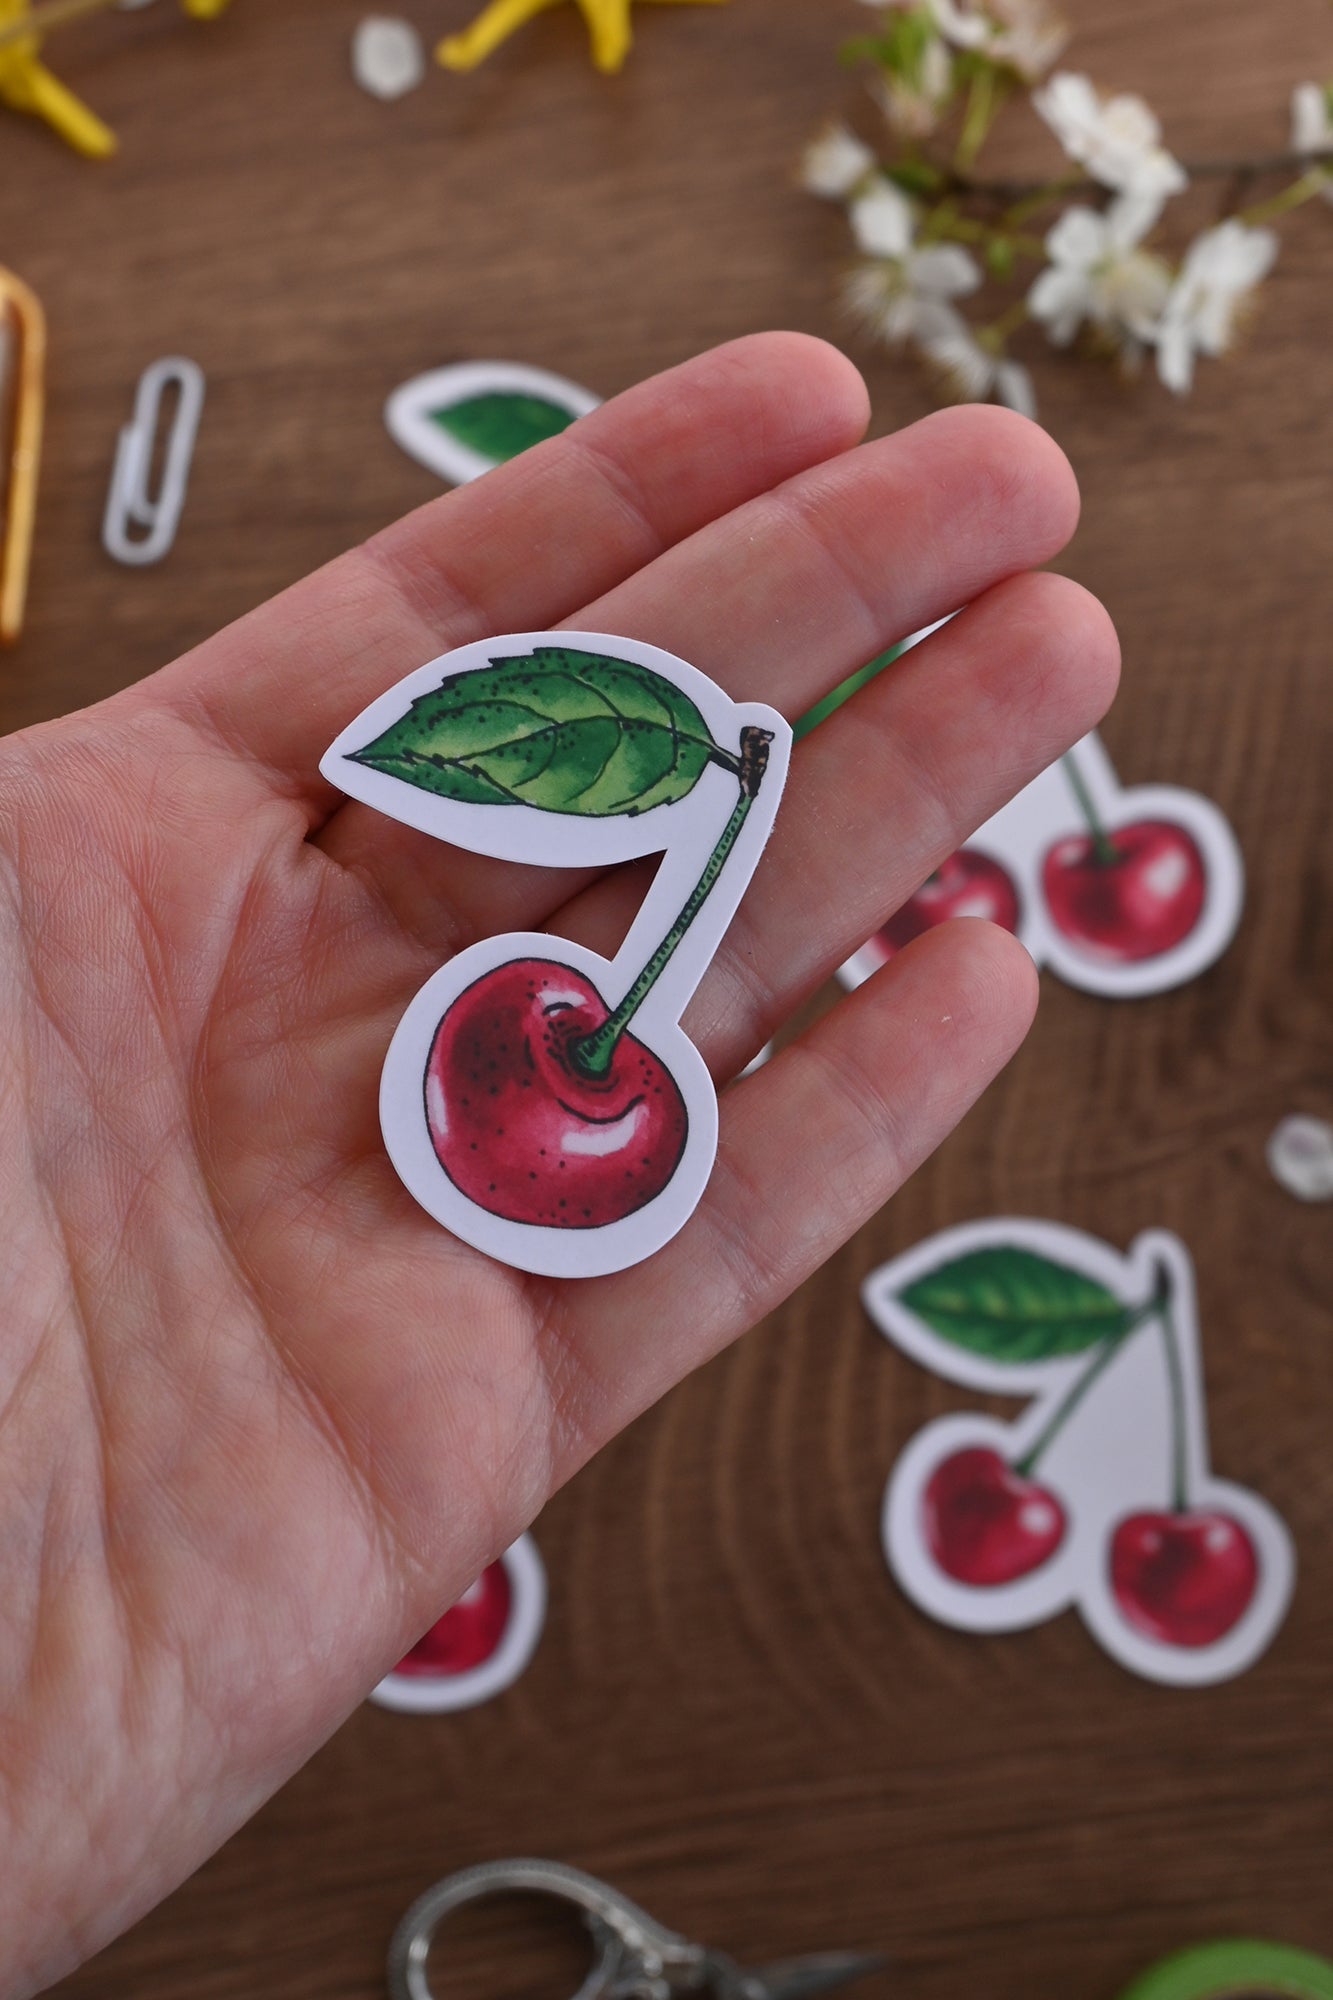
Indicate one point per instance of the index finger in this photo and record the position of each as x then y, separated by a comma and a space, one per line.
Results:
520, 549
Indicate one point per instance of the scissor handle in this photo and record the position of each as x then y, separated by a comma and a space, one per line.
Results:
630, 1949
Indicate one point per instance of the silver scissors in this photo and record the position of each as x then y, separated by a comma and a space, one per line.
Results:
633, 1956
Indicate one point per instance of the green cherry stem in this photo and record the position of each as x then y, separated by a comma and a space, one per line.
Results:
1157, 1307
1175, 1368
1101, 843
592, 1055
842, 693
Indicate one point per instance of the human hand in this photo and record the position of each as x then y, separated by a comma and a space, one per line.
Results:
261, 1419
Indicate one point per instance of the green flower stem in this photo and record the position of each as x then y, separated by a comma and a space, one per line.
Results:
1305, 189
945, 221
592, 1055
1101, 843
1033, 195
982, 105
1157, 1307
997, 333
1042, 197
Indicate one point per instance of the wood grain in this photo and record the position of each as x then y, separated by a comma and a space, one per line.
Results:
732, 1712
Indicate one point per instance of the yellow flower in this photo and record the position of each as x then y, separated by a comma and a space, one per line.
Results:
26, 84
608, 22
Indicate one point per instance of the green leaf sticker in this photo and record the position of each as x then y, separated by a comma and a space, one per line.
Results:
559, 729
1011, 1305
501, 423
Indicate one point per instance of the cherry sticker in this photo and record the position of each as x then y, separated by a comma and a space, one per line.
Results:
465, 419
480, 1645
970, 883
1100, 1494
541, 1102
1121, 892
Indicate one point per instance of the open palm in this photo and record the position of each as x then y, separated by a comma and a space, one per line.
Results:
261, 1419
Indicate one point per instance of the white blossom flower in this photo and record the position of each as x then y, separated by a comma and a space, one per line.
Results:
1312, 125
1300, 1154
908, 300
1118, 139
1099, 272
913, 94
835, 162
970, 373
1025, 35
1311, 119
883, 220
1215, 283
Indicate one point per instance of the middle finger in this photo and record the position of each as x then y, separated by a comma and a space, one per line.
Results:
882, 792
778, 601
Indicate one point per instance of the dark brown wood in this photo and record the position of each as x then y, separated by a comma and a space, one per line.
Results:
733, 1713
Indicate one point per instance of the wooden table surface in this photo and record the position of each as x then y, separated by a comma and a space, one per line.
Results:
732, 1712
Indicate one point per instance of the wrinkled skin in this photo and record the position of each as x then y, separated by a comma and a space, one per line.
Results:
245, 1459
469, 1631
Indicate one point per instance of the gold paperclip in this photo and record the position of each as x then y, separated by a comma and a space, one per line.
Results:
22, 367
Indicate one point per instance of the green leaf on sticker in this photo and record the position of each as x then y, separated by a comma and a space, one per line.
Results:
501, 423
1011, 1305
559, 729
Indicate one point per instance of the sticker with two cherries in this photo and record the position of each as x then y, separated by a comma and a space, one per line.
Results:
1122, 892
1100, 1495
480, 1645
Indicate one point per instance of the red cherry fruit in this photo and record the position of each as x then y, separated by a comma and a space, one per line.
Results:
1136, 901
968, 884
985, 1524
469, 1632
521, 1130
1184, 1579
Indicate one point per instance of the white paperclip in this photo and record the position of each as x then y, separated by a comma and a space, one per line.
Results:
129, 501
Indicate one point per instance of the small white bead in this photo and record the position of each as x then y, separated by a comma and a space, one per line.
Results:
387, 56
1300, 1153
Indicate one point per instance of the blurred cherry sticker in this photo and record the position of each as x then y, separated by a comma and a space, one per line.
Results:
1100, 1495
1236, 1969
466, 419
480, 1645
541, 1102
1122, 892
